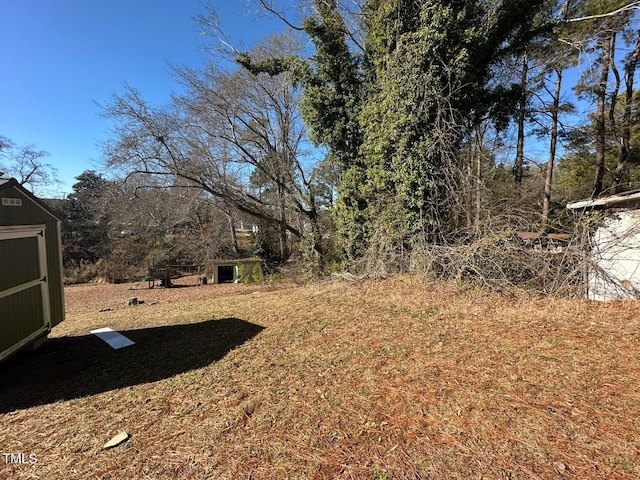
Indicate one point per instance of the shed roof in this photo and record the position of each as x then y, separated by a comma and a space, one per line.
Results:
231, 261
622, 200
6, 183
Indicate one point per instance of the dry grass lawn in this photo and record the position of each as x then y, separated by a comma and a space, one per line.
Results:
389, 379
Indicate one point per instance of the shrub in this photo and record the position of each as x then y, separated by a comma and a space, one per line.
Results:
254, 274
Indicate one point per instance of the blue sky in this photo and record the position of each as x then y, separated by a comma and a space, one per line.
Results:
60, 58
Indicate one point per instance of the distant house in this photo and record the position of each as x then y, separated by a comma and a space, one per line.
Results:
615, 247
244, 234
31, 282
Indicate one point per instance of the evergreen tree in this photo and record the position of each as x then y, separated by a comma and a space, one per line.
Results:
86, 216
575, 169
599, 22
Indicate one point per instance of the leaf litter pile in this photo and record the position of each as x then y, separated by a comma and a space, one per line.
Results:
390, 379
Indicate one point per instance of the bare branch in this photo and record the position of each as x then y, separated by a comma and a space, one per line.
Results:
626, 8
231, 128
270, 8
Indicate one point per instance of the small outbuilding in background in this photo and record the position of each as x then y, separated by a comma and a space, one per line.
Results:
232, 270
31, 282
614, 270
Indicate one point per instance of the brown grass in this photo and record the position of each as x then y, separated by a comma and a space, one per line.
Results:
382, 379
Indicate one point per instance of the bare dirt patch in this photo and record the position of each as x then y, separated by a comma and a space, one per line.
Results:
389, 379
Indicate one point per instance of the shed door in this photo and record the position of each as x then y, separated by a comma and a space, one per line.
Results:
226, 274
24, 293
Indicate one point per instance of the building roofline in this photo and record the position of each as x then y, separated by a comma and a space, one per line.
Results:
623, 200
6, 183
217, 261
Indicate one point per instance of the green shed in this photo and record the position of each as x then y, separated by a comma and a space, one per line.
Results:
31, 283
230, 270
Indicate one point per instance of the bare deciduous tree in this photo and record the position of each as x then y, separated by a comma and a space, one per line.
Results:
26, 165
229, 124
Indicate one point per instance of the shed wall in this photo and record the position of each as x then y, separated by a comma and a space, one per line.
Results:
24, 296
25, 306
616, 255
32, 213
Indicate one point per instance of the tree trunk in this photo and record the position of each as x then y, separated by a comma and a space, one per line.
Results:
546, 204
468, 187
480, 145
601, 93
478, 193
620, 153
624, 142
283, 230
518, 167
232, 230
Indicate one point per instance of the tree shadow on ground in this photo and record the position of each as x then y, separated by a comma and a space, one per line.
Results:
73, 367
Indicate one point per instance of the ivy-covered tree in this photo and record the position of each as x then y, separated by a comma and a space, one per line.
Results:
431, 68
331, 107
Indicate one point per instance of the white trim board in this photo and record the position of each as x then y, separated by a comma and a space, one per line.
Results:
115, 339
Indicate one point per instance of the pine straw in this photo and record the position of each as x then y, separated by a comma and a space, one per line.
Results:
388, 379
